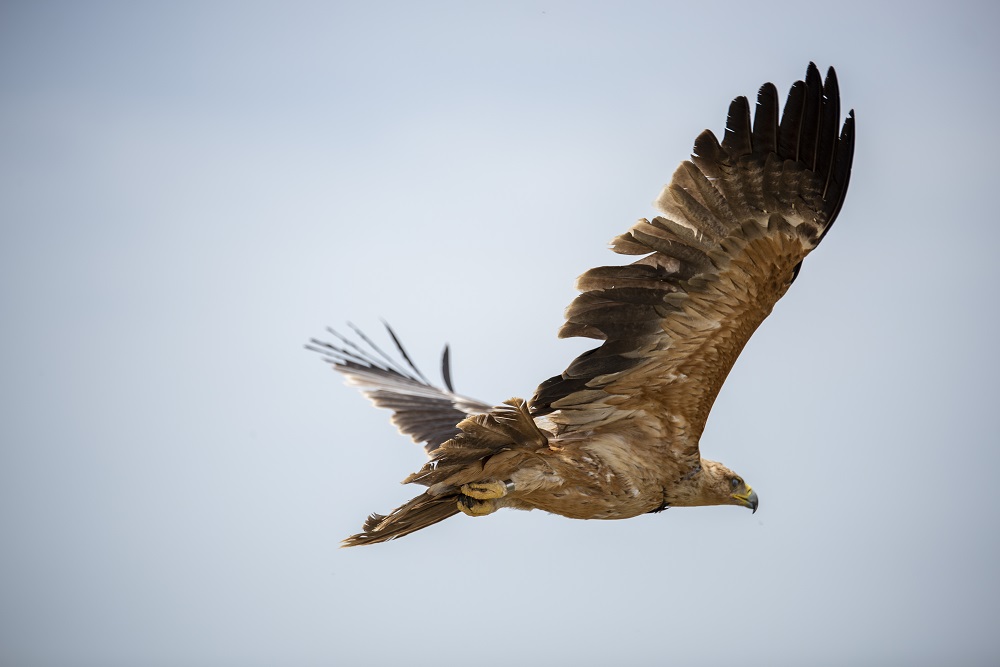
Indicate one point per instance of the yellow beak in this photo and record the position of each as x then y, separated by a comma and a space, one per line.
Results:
748, 499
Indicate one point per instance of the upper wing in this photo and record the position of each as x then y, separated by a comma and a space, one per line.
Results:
738, 220
426, 413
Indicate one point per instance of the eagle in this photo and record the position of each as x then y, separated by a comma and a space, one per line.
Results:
616, 434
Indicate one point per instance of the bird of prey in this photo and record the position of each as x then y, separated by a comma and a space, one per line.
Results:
617, 433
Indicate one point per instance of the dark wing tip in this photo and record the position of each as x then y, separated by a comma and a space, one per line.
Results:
791, 121
840, 172
809, 131
808, 134
736, 140
765, 120
399, 346
446, 368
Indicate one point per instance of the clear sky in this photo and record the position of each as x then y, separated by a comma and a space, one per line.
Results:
189, 191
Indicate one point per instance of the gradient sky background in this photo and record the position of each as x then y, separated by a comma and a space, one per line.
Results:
189, 191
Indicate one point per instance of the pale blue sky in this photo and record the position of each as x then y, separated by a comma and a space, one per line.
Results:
189, 191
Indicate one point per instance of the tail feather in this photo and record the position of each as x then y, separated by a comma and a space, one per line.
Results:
420, 512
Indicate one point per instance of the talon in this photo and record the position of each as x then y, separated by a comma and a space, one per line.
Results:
485, 490
473, 507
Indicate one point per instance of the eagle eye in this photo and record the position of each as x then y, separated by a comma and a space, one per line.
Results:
735, 482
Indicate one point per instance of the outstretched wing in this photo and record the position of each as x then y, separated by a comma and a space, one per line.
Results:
739, 217
426, 413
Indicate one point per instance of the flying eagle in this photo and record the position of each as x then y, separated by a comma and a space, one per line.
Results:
616, 434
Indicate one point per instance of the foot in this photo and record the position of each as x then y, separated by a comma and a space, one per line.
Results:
473, 507
480, 498
485, 490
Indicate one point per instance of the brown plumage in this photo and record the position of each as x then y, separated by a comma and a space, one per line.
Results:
616, 434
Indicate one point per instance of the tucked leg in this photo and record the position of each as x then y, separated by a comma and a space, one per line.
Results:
485, 490
474, 507
480, 498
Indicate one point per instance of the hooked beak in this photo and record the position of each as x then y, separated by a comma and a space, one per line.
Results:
748, 499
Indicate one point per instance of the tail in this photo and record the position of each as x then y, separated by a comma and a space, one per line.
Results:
424, 510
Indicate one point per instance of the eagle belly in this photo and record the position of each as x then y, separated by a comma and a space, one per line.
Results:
598, 477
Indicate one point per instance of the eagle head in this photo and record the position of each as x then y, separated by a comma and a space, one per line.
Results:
714, 484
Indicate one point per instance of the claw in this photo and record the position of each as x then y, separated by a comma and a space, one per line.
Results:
485, 490
473, 507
